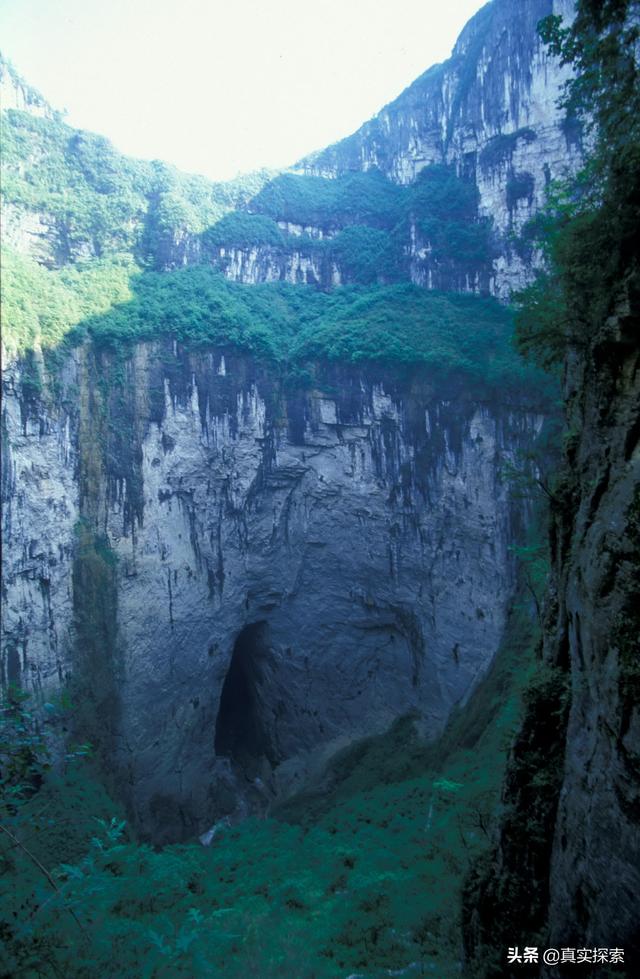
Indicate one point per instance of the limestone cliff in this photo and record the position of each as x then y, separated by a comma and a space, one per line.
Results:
180, 524
567, 862
193, 536
235, 569
489, 113
16, 94
595, 859
190, 533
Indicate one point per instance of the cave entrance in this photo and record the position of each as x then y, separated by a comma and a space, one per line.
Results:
242, 730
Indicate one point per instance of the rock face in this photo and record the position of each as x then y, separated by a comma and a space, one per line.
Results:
595, 862
189, 541
16, 94
567, 860
491, 111
263, 264
30, 233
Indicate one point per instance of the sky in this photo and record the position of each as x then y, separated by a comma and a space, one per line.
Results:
218, 87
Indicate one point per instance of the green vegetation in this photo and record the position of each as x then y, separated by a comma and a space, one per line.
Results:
400, 325
373, 217
110, 222
365, 254
362, 876
445, 211
99, 202
370, 219
437, 194
355, 198
519, 187
85, 201
409, 326
41, 307
243, 230
589, 232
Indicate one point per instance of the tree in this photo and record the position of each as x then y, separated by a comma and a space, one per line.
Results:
589, 230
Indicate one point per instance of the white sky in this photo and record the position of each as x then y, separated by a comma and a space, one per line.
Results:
221, 87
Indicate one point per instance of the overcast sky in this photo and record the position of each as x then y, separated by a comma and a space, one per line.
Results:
220, 88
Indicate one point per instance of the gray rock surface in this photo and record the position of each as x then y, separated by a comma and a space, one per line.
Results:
492, 111
264, 264
566, 862
347, 547
595, 862
16, 94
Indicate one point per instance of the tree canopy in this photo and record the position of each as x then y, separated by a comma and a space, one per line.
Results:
589, 230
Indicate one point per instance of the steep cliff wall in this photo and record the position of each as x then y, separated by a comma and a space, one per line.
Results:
260, 263
339, 555
191, 537
16, 94
595, 862
491, 111
567, 862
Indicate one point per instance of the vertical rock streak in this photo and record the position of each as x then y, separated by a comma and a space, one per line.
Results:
364, 522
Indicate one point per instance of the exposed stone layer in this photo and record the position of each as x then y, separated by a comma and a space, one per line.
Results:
492, 111
595, 863
567, 860
362, 526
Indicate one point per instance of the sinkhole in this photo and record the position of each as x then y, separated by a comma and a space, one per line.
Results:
244, 725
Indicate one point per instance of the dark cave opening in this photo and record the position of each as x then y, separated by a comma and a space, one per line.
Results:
241, 733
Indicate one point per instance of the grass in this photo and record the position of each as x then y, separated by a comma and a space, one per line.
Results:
360, 875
